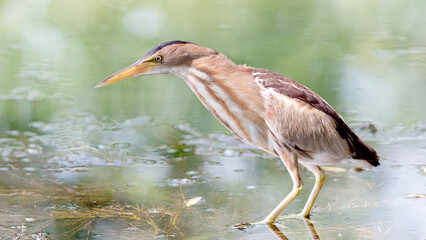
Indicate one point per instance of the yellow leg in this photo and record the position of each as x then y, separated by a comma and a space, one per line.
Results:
290, 161
319, 182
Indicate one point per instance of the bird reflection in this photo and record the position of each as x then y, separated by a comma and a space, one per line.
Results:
310, 226
280, 235
276, 231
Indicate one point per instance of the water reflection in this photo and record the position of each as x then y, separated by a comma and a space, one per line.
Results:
311, 228
280, 235
276, 231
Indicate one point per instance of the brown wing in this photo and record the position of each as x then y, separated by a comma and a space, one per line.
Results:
303, 120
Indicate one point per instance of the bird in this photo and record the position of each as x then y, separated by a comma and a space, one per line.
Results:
262, 108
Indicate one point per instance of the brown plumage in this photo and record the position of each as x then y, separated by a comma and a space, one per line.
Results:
303, 95
262, 108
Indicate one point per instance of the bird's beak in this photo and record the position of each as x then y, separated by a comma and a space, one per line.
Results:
136, 69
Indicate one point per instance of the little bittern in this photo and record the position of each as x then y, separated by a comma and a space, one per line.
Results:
262, 108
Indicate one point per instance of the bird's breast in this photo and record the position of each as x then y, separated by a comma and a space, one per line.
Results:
235, 109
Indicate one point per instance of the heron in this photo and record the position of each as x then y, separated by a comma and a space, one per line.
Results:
262, 108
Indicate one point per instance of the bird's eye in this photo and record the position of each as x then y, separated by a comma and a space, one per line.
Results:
158, 58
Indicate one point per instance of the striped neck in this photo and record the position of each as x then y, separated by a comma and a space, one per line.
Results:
226, 95
216, 97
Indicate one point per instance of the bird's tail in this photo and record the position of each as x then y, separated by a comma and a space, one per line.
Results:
360, 150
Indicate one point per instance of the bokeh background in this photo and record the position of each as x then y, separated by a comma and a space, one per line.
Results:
143, 158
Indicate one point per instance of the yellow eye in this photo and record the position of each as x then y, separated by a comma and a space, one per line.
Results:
158, 58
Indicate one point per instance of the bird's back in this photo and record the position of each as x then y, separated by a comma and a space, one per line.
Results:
314, 127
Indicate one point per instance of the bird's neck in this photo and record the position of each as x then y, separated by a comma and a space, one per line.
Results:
230, 93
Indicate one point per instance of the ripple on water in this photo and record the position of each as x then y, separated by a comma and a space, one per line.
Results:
149, 162
121, 145
192, 173
144, 121
30, 95
176, 182
143, 160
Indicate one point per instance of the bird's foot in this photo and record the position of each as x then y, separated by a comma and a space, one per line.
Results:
242, 226
304, 215
271, 221
265, 221
293, 215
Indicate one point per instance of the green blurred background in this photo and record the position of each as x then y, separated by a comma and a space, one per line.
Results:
366, 58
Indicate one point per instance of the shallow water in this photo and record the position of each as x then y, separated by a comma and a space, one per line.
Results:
143, 159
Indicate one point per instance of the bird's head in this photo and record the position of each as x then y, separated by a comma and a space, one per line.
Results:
163, 59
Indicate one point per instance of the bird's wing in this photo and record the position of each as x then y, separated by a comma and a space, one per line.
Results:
300, 119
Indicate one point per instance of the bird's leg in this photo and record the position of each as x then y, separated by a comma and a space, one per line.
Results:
319, 181
290, 161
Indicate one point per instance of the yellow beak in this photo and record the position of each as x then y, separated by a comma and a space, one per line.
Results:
136, 69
